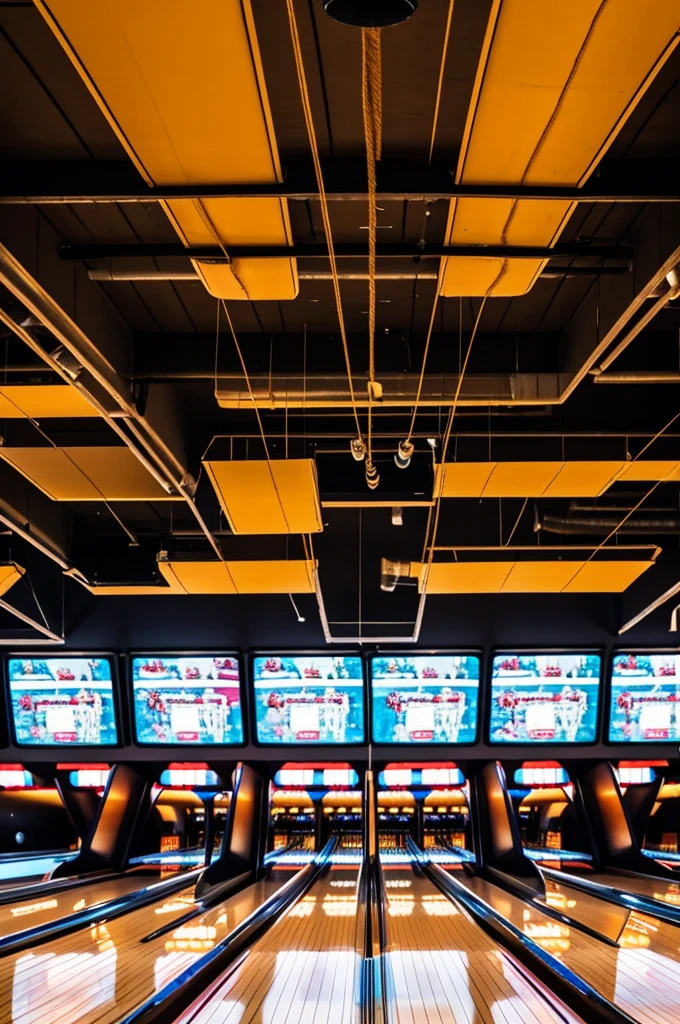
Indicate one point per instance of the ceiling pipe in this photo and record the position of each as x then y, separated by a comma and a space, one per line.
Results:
672, 292
120, 273
168, 471
650, 608
604, 526
639, 377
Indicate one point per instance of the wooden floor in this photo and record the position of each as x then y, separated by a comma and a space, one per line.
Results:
445, 969
657, 888
642, 976
304, 970
97, 976
16, 917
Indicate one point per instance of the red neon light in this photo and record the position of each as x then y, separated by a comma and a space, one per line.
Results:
643, 764
188, 766
294, 766
541, 764
83, 767
11, 767
409, 765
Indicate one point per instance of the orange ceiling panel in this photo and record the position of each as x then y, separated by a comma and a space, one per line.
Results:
554, 85
521, 479
606, 577
269, 576
86, 474
548, 577
184, 90
43, 401
583, 479
258, 497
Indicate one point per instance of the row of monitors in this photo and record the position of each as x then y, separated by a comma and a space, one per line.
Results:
319, 699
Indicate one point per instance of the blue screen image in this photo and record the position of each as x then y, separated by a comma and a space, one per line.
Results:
187, 699
309, 699
544, 698
645, 698
62, 701
425, 698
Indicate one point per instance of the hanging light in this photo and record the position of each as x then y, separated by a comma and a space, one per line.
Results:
372, 476
405, 450
370, 13
357, 446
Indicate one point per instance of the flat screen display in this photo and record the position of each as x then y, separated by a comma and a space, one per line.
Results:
544, 698
185, 699
305, 698
645, 698
425, 698
62, 701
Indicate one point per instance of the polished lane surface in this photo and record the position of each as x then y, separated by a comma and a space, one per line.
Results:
642, 976
98, 975
304, 970
446, 969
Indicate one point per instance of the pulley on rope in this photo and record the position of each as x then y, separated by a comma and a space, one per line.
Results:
404, 453
357, 446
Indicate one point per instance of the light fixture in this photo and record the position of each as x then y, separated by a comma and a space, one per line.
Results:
67, 362
357, 446
391, 572
372, 476
370, 13
397, 515
405, 450
300, 618
432, 441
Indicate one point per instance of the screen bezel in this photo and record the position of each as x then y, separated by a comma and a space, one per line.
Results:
116, 692
457, 652
539, 651
309, 653
615, 653
212, 653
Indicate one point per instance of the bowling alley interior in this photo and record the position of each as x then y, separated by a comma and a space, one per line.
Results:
340, 512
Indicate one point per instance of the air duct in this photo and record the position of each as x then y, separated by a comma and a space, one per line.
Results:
604, 526
391, 572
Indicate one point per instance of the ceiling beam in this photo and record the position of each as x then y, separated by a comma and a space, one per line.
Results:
345, 180
316, 250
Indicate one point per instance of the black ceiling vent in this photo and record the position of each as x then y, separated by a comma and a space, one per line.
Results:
342, 481
370, 13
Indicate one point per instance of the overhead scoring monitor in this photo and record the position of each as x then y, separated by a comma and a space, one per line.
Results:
544, 698
187, 699
66, 701
644, 698
425, 698
304, 698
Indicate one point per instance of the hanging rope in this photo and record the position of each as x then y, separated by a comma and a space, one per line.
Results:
323, 198
440, 83
371, 103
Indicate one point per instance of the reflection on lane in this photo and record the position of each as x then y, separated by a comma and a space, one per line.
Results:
306, 968
98, 975
445, 968
642, 976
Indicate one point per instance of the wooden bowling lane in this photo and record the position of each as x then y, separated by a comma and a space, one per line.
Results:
667, 891
16, 917
446, 969
98, 975
642, 976
304, 970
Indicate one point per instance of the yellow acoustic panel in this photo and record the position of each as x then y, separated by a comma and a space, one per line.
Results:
142, 590
583, 479
183, 88
9, 575
463, 479
43, 401
281, 496
86, 474
465, 577
550, 74
539, 577
606, 577
271, 576
652, 470
521, 479
531, 577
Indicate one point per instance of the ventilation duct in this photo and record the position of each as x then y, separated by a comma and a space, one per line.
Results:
600, 526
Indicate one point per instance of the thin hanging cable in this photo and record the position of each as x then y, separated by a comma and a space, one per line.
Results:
323, 199
440, 83
257, 411
371, 102
512, 531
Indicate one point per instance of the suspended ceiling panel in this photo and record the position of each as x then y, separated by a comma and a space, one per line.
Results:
9, 575
554, 85
295, 576
546, 479
186, 97
86, 474
43, 401
258, 497
549, 577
